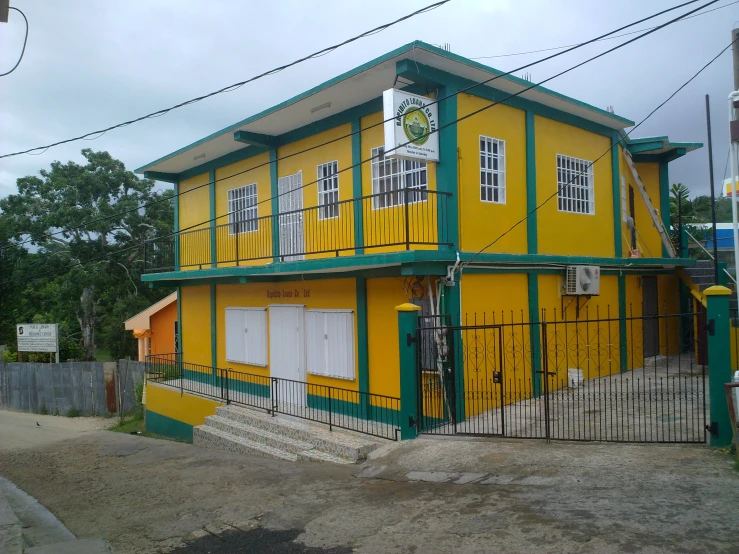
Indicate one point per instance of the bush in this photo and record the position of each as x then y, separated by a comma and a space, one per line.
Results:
43, 410
8, 356
73, 412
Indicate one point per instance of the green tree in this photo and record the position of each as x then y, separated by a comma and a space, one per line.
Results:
71, 214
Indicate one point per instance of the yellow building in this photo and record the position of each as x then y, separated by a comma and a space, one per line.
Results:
296, 237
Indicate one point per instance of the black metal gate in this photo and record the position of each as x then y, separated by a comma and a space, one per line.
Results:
584, 379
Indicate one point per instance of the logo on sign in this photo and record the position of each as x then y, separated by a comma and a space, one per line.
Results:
416, 120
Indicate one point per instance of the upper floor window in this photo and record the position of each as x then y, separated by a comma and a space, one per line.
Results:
391, 175
575, 185
242, 209
492, 170
328, 190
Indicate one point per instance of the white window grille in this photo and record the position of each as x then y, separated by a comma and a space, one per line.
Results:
246, 336
330, 343
575, 185
242, 209
492, 170
328, 190
391, 175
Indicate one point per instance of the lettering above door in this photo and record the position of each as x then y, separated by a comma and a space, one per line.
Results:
288, 293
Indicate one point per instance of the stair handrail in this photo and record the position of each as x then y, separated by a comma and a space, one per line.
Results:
695, 240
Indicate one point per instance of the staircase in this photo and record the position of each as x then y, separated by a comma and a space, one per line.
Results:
702, 276
247, 431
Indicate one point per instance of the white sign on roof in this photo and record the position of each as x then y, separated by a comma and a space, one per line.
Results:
37, 337
410, 125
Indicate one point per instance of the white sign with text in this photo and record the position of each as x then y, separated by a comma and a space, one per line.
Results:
410, 119
37, 337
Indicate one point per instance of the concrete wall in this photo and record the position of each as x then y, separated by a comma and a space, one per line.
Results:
89, 387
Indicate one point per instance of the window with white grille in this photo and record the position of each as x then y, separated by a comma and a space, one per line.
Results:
242, 209
575, 185
328, 190
391, 175
330, 343
246, 336
492, 170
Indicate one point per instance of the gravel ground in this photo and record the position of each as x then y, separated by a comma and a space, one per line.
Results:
148, 495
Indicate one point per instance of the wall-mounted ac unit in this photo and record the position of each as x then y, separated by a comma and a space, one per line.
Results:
582, 280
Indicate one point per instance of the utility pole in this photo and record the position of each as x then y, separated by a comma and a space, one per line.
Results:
713, 193
4, 10
734, 48
734, 147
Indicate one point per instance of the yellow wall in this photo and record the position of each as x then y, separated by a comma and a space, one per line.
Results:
186, 408
254, 244
327, 234
568, 233
326, 294
162, 329
196, 325
481, 221
648, 240
387, 225
384, 364
194, 212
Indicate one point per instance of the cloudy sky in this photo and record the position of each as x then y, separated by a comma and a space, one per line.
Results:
90, 64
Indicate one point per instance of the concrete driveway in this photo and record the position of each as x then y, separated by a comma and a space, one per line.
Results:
146, 495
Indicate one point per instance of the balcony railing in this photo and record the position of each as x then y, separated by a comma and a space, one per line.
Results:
389, 221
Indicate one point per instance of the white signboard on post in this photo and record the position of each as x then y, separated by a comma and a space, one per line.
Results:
37, 337
410, 119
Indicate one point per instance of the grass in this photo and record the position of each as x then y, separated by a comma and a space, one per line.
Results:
103, 355
136, 424
73, 412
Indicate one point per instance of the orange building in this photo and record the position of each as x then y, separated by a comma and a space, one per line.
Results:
156, 328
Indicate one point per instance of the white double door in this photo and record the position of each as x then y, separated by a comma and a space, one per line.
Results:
292, 231
287, 354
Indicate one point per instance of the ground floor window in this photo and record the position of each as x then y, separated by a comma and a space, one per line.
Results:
246, 336
330, 343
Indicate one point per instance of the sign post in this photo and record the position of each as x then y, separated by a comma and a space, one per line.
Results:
38, 337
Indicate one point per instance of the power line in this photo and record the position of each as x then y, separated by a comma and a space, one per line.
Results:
234, 86
613, 145
607, 38
23, 50
435, 101
454, 122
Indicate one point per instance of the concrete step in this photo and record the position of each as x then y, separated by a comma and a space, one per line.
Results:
343, 444
256, 434
212, 437
704, 263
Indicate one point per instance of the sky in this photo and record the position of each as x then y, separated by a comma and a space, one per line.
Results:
91, 64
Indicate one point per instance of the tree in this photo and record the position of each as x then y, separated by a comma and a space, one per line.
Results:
88, 231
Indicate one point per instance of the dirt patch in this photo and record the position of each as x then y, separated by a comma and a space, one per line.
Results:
21, 430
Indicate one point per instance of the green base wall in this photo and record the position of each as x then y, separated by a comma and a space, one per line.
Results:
168, 427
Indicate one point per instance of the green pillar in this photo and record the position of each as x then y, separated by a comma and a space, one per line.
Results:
362, 345
616, 193
275, 205
719, 363
532, 233
213, 337
407, 327
535, 333
212, 194
176, 186
447, 208
622, 337
357, 185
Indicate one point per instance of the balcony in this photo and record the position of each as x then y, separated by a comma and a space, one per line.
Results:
407, 219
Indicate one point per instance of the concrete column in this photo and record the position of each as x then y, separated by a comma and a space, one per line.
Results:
407, 327
142, 350
719, 363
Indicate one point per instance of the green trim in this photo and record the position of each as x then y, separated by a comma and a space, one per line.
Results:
168, 427
159, 176
447, 208
274, 188
212, 196
213, 337
357, 185
409, 385
255, 139
375, 62
574, 260
560, 270
719, 366
616, 193
664, 199
179, 322
452, 297
424, 268
362, 339
176, 188
354, 409
532, 231
535, 333
646, 146
235, 385
431, 75
623, 347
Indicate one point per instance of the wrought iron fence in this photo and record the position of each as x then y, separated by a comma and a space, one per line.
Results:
632, 379
400, 219
363, 412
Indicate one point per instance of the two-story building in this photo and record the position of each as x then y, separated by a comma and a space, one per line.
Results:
296, 237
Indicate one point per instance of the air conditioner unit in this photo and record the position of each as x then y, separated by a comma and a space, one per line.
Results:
582, 280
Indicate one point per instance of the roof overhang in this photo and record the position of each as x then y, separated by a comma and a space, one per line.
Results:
142, 320
351, 89
659, 148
